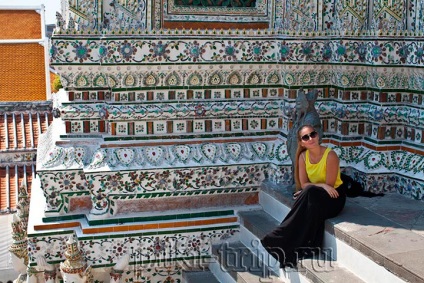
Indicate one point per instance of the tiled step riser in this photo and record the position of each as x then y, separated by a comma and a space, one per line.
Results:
346, 256
146, 247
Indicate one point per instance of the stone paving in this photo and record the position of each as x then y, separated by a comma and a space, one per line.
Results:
397, 208
388, 229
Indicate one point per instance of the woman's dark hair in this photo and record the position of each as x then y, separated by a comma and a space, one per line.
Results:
299, 151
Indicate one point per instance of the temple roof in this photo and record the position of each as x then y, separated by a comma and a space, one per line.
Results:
24, 75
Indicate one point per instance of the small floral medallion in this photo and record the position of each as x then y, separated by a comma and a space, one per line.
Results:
79, 155
153, 155
413, 161
380, 82
289, 79
254, 79
130, 80
234, 150
173, 79
360, 81
53, 157
150, 80
100, 81
234, 79
344, 80
215, 79
282, 153
125, 155
182, 152
195, 79
209, 150
260, 149
355, 154
374, 160
397, 159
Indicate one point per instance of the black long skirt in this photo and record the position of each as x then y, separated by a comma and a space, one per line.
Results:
303, 228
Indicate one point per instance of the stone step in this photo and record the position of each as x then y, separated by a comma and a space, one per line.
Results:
372, 238
318, 269
237, 263
205, 276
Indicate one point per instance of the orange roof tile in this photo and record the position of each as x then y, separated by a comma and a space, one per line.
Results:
22, 72
21, 24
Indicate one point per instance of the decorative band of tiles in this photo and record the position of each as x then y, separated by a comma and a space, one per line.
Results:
164, 272
93, 95
155, 246
275, 76
389, 182
177, 127
371, 50
124, 219
165, 156
169, 182
175, 110
113, 228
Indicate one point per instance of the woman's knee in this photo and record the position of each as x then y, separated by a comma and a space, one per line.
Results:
313, 191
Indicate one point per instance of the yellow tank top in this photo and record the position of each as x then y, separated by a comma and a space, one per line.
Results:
317, 172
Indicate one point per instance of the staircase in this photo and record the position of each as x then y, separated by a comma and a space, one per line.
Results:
373, 240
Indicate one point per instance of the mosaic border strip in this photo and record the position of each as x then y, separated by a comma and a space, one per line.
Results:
165, 156
58, 184
105, 250
376, 51
293, 15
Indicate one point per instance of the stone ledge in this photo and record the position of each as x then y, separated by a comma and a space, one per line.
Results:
385, 229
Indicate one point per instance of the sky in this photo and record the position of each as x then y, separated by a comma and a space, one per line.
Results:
51, 7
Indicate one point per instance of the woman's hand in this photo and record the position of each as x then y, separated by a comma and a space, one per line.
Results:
296, 194
331, 191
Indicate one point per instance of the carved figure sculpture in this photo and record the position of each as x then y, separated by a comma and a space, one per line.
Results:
304, 113
23, 206
74, 269
60, 22
18, 250
71, 24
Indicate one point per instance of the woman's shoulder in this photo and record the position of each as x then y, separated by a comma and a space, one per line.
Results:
332, 154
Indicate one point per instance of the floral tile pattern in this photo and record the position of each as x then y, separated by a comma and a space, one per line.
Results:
368, 52
153, 114
141, 247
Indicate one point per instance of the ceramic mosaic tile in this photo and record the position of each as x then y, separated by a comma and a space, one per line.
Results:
141, 247
155, 114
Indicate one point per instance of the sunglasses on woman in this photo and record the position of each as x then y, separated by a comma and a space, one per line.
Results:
309, 136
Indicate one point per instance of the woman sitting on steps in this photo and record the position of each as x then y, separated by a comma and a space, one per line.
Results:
320, 194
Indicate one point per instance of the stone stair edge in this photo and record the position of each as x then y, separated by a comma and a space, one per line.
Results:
251, 273
338, 228
317, 270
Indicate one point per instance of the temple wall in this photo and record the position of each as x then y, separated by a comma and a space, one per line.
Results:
164, 107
